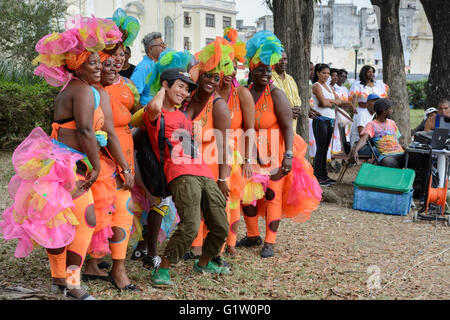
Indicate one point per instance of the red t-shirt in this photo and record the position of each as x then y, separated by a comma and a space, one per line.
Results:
185, 159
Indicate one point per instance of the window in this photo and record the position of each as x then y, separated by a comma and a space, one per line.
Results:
210, 20
373, 40
361, 61
209, 40
226, 22
187, 44
169, 32
187, 19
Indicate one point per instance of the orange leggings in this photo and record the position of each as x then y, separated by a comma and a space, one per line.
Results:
235, 216
122, 219
271, 209
82, 239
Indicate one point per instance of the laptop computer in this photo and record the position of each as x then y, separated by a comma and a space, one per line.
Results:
439, 139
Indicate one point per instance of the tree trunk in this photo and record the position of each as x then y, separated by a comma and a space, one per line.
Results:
394, 64
438, 13
293, 23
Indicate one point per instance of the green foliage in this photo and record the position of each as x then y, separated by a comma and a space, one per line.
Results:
417, 93
24, 107
10, 71
23, 23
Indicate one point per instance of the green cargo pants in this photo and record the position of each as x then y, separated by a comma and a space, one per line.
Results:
191, 196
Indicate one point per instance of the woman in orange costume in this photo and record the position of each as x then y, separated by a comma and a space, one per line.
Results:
276, 150
242, 112
64, 59
210, 114
114, 227
123, 103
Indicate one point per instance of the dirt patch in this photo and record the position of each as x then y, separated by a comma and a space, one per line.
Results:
338, 254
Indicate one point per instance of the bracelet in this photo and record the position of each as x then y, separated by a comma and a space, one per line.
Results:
126, 171
222, 180
249, 161
289, 154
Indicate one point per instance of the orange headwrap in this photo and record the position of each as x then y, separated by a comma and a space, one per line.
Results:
253, 66
103, 56
74, 62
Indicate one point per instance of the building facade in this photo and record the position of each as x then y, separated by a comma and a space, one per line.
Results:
184, 24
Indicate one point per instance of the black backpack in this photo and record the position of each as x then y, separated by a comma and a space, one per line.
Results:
152, 170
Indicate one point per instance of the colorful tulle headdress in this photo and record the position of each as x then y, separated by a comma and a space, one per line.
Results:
168, 59
128, 25
231, 35
263, 48
71, 48
217, 57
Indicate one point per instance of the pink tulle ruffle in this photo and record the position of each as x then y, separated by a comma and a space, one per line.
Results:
41, 190
99, 246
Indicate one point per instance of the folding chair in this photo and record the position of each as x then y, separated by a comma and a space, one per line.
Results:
346, 162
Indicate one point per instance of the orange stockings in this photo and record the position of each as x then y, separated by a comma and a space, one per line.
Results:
122, 223
76, 251
270, 207
235, 215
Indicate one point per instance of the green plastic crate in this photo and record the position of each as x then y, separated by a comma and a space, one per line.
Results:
384, 178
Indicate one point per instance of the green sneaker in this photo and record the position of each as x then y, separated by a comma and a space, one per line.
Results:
160, 278
211, 268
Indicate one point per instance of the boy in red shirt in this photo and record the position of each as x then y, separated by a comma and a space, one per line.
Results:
189, 178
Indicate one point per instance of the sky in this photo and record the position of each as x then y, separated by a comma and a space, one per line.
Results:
251, 10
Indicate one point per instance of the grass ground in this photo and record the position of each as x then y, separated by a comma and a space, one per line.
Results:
416, 117
338, 254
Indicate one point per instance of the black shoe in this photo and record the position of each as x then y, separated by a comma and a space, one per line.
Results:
85, 296
331, 181
323, 183
128, 287
190, 256
220, 262
104, 265
247, 242
57, 288
150, 262
267, 251
138, 254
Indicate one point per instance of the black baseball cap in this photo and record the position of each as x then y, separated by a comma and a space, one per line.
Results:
178, 73
382, 104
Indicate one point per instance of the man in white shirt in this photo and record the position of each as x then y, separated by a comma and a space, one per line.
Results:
360, 120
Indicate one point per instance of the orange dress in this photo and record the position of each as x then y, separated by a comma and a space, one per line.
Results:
203, 133
270, 141
294, 196
122, 102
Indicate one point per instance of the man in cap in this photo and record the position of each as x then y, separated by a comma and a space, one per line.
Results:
360, 120
189, 178
430, 112
385, 135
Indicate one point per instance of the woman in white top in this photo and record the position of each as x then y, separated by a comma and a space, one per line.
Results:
325, 100
366, 85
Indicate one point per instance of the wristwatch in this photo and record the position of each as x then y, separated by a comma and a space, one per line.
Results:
289, 154
126, 171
